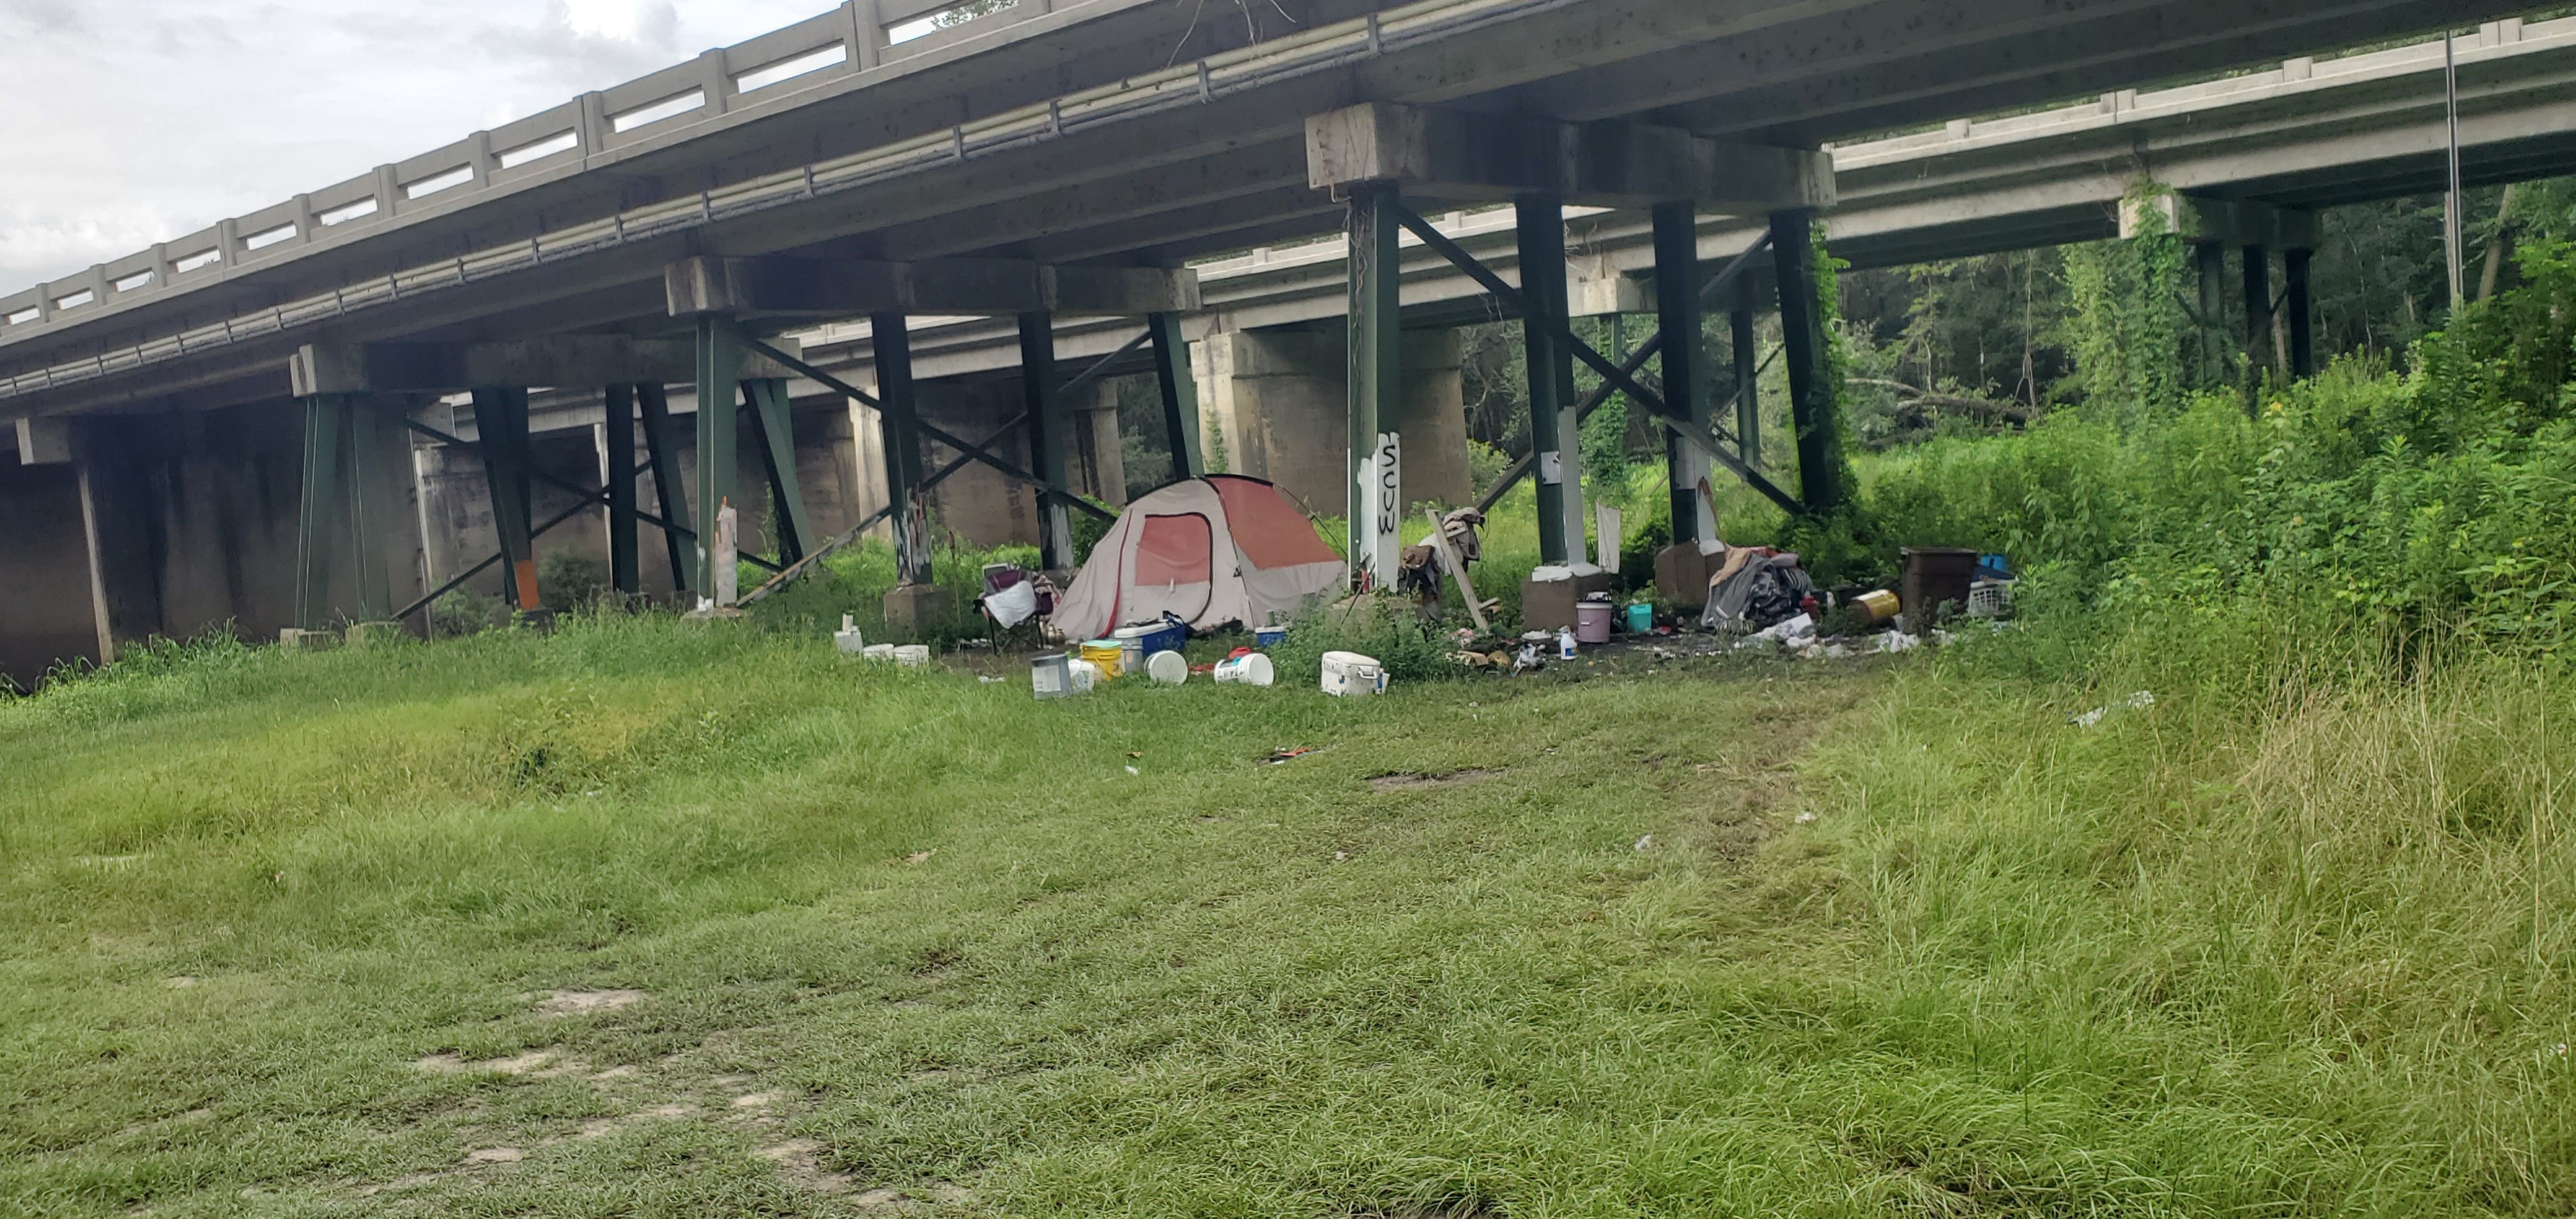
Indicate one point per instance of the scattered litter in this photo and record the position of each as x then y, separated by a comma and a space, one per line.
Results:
1899, 641
182, 982
1339, 856
496, 1155
2138, 701
988, 680
1646, 843
1284, 754
1245, 668
919, 857
1806, 818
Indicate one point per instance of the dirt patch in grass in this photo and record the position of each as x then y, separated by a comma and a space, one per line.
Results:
585, 1002
796, 1161
1383, 784
530, 1063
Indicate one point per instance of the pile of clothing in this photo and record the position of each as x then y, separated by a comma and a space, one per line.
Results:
1757, 587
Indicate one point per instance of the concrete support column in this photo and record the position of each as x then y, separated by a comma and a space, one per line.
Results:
353, 526
1555, 434
1098, 448
1374, 382
1813, 411
976, 502
122, 526
1276, 396
49, 615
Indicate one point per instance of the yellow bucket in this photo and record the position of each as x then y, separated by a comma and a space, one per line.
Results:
1104, 653
1880, 605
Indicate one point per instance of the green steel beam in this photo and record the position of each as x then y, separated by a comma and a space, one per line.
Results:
1812, 409
661, 442
898, 410
1376, 370
1677, 313
1539, 223
1180, 394
1047, 438
719, 396
322, 511
617, 435
771, 412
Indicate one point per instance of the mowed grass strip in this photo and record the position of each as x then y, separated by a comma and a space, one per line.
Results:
648, 919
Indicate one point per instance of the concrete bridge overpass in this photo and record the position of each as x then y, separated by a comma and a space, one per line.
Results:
1102, 134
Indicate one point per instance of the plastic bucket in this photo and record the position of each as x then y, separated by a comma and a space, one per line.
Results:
1085, 675
912, 655
1880, 606
1105, 655
878, 651
1051, 675
1641, 618
1349, 673
1167, 668
1592, 622
1269, 637
1250, 669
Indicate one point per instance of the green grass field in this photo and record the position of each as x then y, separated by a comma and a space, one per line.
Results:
656, 919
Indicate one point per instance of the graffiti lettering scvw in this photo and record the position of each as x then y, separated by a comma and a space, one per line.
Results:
1390, 493
1387, 486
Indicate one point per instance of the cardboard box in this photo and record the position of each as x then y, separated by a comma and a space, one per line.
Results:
1549, 605
1682, 572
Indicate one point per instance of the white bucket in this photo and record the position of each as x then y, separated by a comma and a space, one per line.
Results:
1167, 668
912, 655
1085, 675
1252, 670
878, 651
1348, 673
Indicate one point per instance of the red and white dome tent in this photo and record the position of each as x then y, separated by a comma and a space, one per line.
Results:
1211, 551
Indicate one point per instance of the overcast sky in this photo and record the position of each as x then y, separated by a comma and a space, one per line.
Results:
125, 122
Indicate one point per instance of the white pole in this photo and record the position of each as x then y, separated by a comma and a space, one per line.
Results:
2454, 207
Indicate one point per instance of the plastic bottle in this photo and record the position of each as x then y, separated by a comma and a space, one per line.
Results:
1565, 643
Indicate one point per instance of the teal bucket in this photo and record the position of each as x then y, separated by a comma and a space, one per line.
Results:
1641, 618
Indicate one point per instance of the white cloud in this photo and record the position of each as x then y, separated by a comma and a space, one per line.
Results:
134, 121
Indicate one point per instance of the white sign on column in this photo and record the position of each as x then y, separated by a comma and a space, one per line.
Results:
1382, 497
1569, 442
1696, 467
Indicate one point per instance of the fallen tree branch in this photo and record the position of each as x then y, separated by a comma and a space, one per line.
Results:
1986, 407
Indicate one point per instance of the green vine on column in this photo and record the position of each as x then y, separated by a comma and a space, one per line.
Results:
2127, 325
